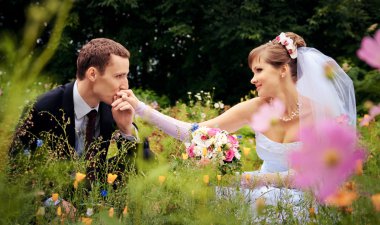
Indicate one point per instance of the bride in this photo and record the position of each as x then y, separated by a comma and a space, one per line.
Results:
311, 87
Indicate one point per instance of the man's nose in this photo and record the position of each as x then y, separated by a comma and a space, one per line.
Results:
124, 85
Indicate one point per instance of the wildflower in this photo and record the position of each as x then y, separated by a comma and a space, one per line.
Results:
86, 220
260, 205
39, 143
89, 212
267, 115
343, 198
373, 112
54, 197
206, 179
311, 212
376, 201
111, 212
359, 167
125, 211
365, 120
185, 156
103, 193
246, 151
219, 177
75, 184
216, 105
370, 50
327, 157
111, 178
79, 176
161, 179
59, 211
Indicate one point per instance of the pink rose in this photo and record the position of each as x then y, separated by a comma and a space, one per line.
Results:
230, 155
232, 140
212, 132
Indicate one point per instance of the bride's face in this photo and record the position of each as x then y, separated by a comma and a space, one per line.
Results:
266, 78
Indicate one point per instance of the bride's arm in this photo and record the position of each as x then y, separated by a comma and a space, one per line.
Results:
231, 120
236, 117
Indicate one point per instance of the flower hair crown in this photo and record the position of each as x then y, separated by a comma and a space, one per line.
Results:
288, 43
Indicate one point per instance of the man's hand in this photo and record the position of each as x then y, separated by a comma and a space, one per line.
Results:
123, 113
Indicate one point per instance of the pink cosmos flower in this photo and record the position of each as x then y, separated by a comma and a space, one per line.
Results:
230, 155
266, 115
327, 157
373, 112
370, 50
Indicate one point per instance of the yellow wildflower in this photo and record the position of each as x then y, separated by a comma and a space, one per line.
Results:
111, 212
246, 151
75, 184
376, 201
111, 178
59, 211
54, 197
125, 211
206, 179
161, 179
86, 220
79, 177
342, 198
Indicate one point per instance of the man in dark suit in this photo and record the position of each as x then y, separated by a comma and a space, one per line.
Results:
78, 115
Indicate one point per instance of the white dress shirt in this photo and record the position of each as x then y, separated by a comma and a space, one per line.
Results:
81, 108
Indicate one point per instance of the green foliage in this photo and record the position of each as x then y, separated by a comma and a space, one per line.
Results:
180, 46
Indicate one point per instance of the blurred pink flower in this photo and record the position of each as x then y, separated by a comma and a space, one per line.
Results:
266, 115
370, 50
342, 119
326, 158
373, 112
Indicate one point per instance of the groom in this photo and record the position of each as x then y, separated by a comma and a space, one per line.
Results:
78, 117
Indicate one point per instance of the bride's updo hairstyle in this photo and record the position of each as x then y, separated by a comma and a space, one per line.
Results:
276, 53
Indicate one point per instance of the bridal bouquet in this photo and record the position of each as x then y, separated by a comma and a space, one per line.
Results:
213, 145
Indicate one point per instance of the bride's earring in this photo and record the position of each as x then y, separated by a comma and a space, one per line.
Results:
282, 75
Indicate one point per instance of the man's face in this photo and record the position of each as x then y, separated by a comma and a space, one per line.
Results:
113, 80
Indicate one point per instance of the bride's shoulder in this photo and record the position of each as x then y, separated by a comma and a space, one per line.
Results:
252, 105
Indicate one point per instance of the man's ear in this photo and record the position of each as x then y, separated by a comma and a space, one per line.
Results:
91, 73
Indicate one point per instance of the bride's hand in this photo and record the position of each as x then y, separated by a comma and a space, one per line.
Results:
126, 95
250, 181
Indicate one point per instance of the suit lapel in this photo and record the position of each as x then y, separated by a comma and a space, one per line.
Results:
68, 107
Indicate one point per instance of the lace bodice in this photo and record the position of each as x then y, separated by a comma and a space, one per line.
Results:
274, 154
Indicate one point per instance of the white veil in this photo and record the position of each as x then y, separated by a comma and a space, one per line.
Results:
328, 89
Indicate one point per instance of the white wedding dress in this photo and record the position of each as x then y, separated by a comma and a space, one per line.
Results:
274, 156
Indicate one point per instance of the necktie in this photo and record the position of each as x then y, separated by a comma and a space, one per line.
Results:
90, 151
90, 128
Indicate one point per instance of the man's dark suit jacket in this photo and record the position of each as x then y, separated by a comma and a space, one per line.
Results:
53, 112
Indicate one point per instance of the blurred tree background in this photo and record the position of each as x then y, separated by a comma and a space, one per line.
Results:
191, 45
